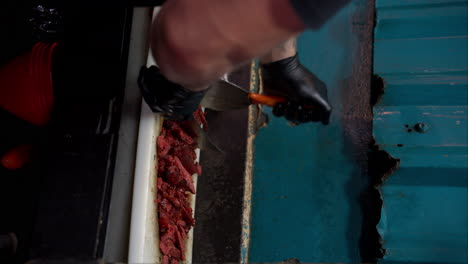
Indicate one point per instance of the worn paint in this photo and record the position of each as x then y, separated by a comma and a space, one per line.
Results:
421, 53
247, 203
306, 179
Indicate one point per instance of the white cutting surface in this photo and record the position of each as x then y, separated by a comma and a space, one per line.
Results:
144, 229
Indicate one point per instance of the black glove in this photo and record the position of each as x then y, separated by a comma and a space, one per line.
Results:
306, 93
163, 96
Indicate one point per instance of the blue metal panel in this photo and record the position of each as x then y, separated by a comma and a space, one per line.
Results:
421, 53
305, 183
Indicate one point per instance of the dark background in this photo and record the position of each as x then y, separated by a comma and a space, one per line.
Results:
57, 205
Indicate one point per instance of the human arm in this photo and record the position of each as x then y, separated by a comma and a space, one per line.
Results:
196, 42
283, 75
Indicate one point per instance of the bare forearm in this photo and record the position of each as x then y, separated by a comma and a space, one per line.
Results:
284, 50
195, 42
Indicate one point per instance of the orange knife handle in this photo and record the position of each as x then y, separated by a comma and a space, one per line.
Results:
268, 100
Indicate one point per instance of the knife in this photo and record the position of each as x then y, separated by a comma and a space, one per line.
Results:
223, 95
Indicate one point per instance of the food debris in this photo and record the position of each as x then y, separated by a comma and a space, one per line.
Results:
176, 164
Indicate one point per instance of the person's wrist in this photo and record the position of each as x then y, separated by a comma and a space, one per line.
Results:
282, 66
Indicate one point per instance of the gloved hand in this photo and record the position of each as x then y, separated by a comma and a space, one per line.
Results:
307, 94
163, 96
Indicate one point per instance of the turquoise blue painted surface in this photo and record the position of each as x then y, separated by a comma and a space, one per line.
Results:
421, 52
305, 184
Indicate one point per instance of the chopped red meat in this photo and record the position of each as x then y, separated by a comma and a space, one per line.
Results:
187, 156
175, 254
172, 172
163, 146
164, 222
166, 246
161, 167
165, 205
198, 169
187, 215
182, 198
187, 181
180, 242
178, 132
200, 117
162, 186
176, 164
174, 201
